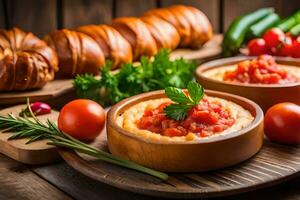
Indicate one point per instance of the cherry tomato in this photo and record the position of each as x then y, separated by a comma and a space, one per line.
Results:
82, 119
296, 48
273, 38
286, 47
282, 123
257, 47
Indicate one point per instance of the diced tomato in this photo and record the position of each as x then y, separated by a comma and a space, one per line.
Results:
171, 132
149, 112
205, 119
263, 69
218, 128
145, 122
204, 134
162, 107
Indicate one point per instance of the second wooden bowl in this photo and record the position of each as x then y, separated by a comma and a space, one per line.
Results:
193, 156
264, 95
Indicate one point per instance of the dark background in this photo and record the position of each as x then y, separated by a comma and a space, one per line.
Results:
43, 16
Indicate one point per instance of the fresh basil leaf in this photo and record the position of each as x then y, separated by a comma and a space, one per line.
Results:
177, 111
196, 91
177, 95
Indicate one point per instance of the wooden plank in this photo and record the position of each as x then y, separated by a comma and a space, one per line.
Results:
2, 14
210, 8
82, 12
52, 90
81, 187
38, 17
69, 180
234, 8
18, 182
133, 7
38, 152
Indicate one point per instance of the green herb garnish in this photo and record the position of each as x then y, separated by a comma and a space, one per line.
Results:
33, 129
183, 103
133, 79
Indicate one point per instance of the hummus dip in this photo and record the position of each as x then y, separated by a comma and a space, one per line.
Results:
130, 120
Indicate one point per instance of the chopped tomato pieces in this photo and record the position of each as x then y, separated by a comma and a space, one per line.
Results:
263, 70
205, 119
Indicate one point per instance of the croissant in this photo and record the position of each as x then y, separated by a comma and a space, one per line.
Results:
136, 32
26, 62
114, 46
192, 25
77, 53
165, 35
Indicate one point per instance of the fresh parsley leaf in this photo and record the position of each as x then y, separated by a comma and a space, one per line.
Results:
177, 111
183, 103
177, 95
196, 91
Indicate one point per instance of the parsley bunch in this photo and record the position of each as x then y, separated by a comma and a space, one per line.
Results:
130, 80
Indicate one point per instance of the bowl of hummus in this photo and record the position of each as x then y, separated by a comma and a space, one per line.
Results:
222, 130
265, 79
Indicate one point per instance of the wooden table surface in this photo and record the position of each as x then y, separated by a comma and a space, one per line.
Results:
59, 181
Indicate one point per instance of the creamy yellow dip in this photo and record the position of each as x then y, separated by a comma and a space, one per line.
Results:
127, 120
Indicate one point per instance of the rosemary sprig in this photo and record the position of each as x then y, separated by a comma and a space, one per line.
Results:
33, 129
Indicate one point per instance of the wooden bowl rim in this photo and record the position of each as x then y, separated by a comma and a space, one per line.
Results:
115, 110
233, 60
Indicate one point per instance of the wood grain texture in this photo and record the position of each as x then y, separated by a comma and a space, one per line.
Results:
272, 165
37, 16
2, 14
82, 12
209, 8
35, 153
133, 7
51, 90
69, 180
80, 186
18, 182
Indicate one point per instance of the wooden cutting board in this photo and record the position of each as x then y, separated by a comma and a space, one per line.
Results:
61, 91
50, 91
35, 153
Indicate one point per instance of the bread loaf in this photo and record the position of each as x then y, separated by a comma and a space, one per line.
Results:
26, 62
77, 53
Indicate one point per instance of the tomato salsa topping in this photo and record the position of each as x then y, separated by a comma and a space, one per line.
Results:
205, 119
263, 70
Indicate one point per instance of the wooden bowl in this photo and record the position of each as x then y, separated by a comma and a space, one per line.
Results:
193, 156
264, 95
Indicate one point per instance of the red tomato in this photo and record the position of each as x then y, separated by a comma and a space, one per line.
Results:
286, 47
282, 123
296, 48
171, 132
273, 38
257, 47
82, 119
